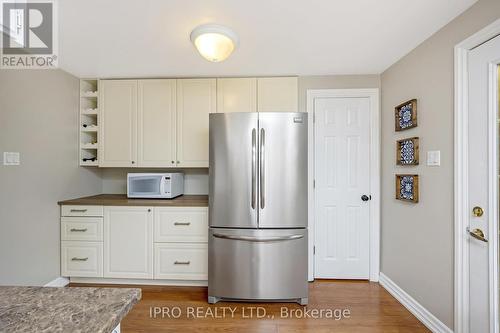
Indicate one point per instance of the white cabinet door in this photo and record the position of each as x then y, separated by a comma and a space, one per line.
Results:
277, 94
236, 95
156, 123
181, 224
81, 259
128, 242
196, 99
181, 261
118, 119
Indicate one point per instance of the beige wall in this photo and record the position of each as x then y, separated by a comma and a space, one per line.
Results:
417, 239
38, 118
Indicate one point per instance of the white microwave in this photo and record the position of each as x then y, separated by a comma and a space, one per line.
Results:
155, 185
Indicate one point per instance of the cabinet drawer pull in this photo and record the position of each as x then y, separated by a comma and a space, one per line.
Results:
182, 262
182, 223
79, 259
78, 230
78, 210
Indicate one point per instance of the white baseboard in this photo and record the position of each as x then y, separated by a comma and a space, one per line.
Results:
58, 282
422, 314
146, 282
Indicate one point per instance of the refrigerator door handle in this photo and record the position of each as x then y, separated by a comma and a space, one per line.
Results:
259, 239
254, 167
262, 168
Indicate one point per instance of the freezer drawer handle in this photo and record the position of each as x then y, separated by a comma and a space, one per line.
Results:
257, 239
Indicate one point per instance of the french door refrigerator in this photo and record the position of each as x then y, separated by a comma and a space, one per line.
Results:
258, 207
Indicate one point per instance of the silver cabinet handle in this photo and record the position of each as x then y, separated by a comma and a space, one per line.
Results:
79, 259
78, 230
182, 262
254, 166
262, 168
257, 239
182, 223
78, 210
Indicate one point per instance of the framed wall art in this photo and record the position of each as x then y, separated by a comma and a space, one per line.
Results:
407, 151
406, 115
407, 188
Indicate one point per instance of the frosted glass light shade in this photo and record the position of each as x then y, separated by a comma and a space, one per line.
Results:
214, 42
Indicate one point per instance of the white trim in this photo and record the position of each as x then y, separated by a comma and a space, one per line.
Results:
422, 314
373, 94
58, 282
461, 199
146, 282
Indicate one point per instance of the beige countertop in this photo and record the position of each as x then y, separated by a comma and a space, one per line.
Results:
122, 200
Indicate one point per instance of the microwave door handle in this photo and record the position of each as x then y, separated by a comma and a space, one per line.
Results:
254, 167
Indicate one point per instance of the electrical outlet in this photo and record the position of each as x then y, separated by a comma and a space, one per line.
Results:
11, 158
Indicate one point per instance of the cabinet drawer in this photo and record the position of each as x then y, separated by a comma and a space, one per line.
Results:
81, 259
181, 261
81, 228
82, 211
179, 224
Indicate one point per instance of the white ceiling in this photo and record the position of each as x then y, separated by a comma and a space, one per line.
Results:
150, 38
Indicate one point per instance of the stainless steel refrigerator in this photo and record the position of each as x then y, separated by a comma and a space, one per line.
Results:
258, 207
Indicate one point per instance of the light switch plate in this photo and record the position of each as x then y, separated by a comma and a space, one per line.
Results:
11, 158
434, 158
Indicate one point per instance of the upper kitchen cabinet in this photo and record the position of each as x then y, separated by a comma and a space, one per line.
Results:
277, 94
117, 118
196, 99
156, 128
236, 95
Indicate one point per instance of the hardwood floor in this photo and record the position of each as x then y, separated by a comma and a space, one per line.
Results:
372, 309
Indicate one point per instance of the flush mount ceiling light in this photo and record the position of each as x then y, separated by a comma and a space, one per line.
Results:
214, 42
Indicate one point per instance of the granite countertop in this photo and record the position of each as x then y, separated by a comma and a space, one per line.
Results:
46, 309
122, 200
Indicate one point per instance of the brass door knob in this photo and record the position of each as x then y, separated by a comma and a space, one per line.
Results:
477, 234
477, 211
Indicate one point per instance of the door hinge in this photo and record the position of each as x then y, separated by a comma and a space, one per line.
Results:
314, 117
314, 183
314, 249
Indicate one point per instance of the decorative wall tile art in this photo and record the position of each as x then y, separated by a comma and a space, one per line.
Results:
407, 152
407, 188
406, 115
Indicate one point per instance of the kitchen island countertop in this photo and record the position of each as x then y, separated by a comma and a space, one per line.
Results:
48, 309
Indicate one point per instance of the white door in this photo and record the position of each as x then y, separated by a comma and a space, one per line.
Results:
196, 99
156, 123
342, 178
237, 95
128, 242
483, 180
117, 121
277, 94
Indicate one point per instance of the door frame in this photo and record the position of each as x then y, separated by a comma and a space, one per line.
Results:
461, 177
374, 96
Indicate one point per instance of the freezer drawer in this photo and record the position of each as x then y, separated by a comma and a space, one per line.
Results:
250, 264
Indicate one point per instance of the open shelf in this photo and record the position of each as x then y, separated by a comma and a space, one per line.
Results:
89, 115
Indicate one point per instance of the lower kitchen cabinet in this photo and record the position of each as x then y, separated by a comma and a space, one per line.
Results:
168, 244
128, 242
83, 259
180, 261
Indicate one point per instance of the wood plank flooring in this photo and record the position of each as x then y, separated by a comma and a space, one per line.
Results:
372, 309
